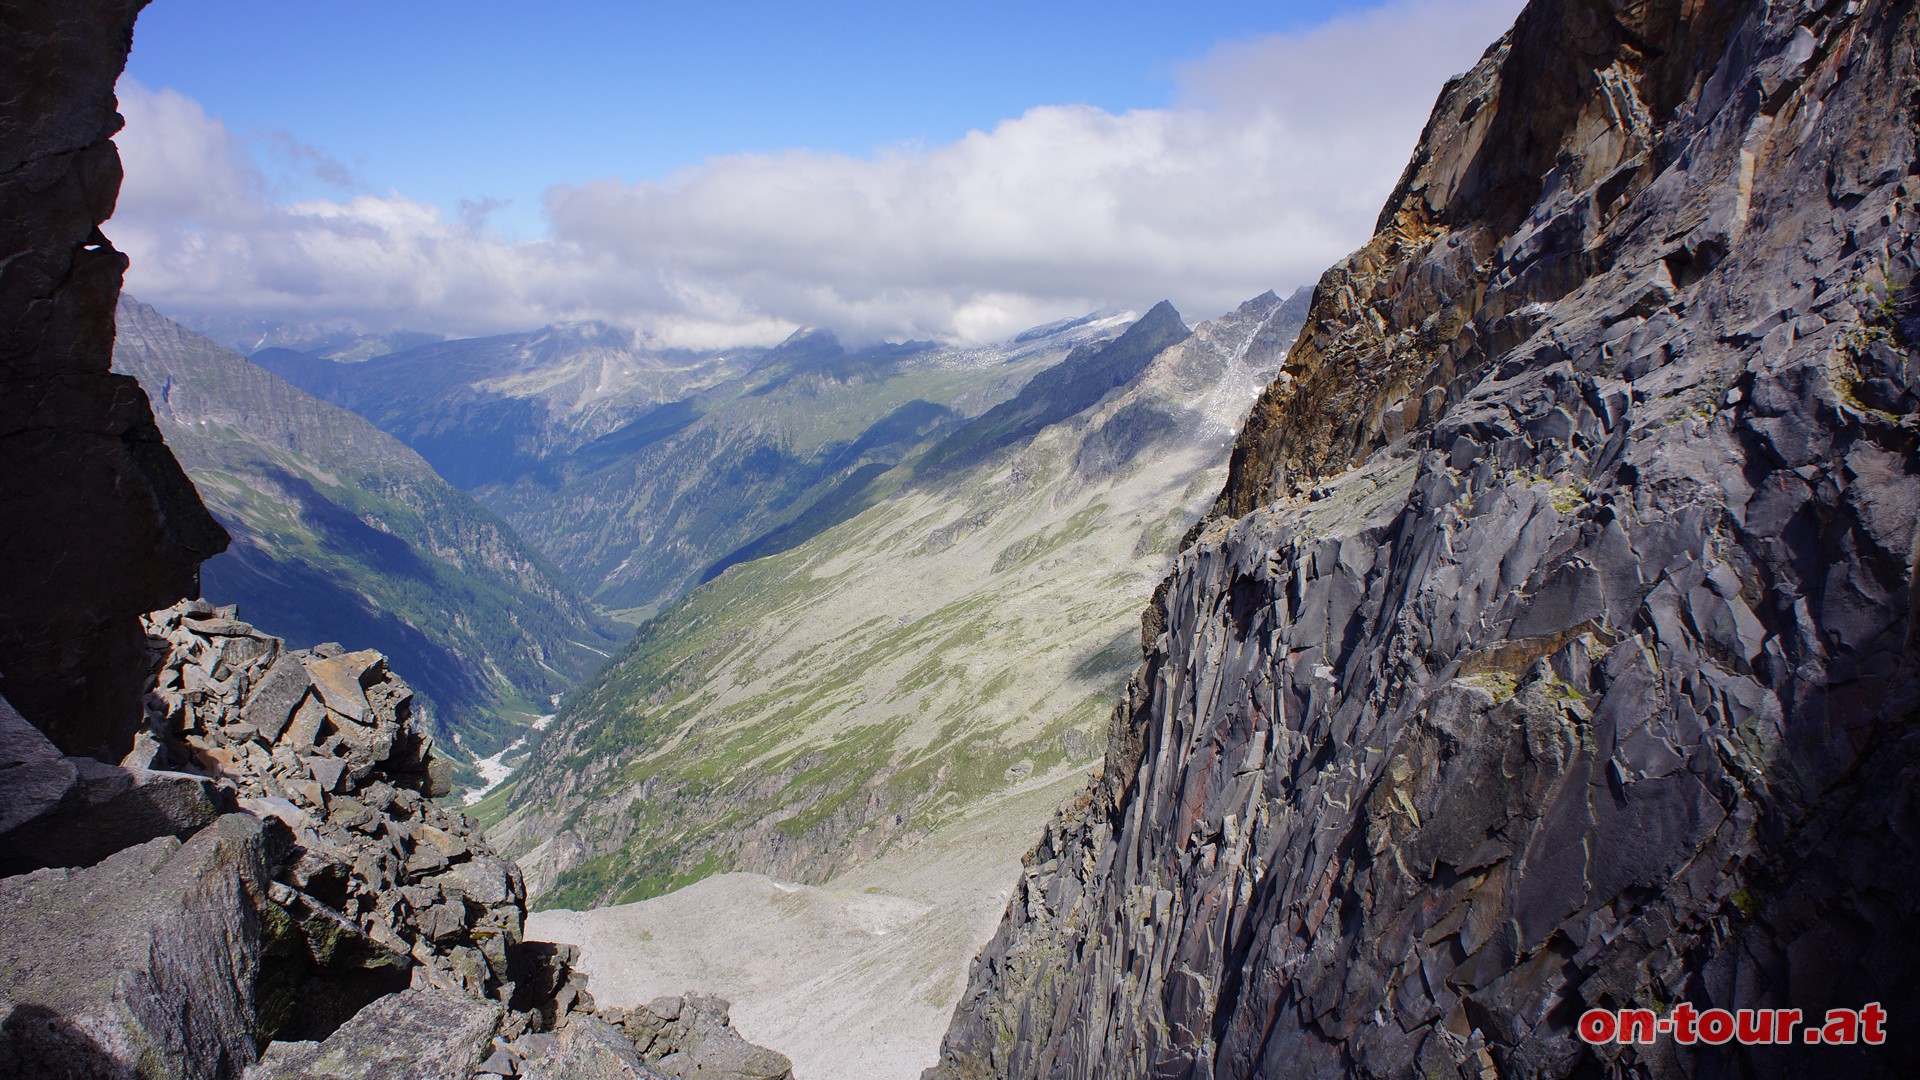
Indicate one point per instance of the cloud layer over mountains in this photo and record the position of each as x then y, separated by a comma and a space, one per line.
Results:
1272, 163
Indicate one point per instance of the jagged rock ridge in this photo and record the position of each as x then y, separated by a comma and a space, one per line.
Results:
1550, 645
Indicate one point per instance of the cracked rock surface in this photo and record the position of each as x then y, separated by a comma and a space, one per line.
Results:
142, 964
1550, 645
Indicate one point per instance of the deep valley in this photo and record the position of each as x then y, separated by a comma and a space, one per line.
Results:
1368, 682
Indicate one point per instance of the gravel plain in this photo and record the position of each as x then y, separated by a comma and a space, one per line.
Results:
854, 979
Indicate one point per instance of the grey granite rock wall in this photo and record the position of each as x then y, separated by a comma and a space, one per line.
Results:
1551, 645
97, 521
142, 965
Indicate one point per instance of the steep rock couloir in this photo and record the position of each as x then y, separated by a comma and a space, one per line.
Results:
98, 524
1550, 644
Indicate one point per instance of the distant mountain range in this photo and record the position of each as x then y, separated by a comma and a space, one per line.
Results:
333, 342
642, 473
487, 411
793, 495
343, 533
960, 634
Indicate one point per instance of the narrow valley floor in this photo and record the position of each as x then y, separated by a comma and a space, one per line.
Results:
853, 980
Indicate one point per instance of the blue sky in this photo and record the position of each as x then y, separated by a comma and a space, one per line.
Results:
491, 100
511, 130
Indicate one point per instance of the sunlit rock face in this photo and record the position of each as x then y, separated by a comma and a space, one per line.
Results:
1549, 646
97, 522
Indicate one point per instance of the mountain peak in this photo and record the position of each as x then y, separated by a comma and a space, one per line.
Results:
1161, 323
585, 331
809, 337
805, 347
1158, 317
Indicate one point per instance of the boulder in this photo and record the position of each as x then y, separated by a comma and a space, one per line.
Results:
304, 729
693, 1036
483, 879
34, 776
326, 771
112, 809
410, 1035
340, 682
320, 968
144, 963
271, 707
588, 1048
61, 811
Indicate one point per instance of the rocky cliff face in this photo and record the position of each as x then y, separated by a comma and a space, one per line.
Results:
97, 522
1550, 645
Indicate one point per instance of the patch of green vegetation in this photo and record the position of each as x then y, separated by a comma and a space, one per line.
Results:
1561, 690
1119, 656
1568, 499
836, 780
491, 809
1501, 684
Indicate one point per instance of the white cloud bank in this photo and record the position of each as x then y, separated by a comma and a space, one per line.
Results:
1273, 165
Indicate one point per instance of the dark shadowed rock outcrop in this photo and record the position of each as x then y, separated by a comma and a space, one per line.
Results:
1551, 644
97, 521
74, 811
